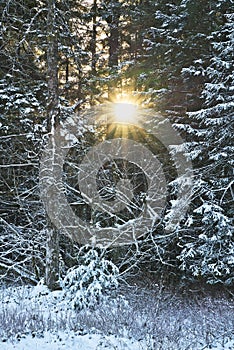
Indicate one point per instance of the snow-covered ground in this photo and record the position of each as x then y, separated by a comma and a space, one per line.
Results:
33, 318
42, 321
71, 341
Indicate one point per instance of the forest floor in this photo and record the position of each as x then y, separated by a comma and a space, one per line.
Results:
138, 317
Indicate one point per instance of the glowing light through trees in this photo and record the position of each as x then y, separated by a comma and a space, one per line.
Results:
125, 112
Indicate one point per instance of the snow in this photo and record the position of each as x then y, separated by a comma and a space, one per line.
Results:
53, 316
72, 341
228, 345
51, 305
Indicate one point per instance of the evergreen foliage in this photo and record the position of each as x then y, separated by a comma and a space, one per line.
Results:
210, 250
90, 282
175, 56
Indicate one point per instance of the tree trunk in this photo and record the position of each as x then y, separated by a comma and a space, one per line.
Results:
113, 43
52, 251
94, 38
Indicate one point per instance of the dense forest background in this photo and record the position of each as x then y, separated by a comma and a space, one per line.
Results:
59, 58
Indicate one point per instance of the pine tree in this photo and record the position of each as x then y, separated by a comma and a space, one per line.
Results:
210, 249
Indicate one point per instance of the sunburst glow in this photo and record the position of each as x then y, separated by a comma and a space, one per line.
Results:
125, 112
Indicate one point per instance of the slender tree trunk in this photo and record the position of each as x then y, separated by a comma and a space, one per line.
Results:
93, 49
113, 42
52, 253
94, 37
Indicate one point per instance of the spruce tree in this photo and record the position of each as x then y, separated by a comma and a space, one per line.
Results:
209, 250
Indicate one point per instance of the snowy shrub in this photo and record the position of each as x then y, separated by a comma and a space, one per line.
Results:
87, 284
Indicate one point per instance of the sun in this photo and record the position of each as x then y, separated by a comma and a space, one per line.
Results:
125, 112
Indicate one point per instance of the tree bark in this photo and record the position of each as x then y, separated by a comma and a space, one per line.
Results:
52, 248
94, 38
113, 42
